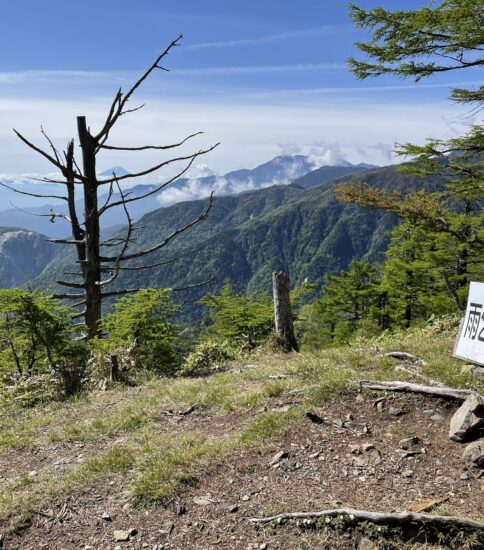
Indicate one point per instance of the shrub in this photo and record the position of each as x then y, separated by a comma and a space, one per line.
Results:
139, 333
36, 335
208, 356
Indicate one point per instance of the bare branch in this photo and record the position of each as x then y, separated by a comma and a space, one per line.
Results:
71, 285
119, 101
127, 240
389, 518
52, 160
54, 150
79, 315
65, 241
153, 191
157, 147
196, 285
53, 215
120, 292
158, 166
68, 296
170, 237
38, 196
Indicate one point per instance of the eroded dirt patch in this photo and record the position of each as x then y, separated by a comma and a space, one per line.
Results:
361, 456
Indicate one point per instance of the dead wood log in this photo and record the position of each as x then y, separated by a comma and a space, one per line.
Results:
402, 519
409, 387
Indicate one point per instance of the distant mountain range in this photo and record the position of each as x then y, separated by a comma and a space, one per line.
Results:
299, 228
281, 170
23, 255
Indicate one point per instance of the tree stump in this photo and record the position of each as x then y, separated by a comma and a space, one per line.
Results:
282, 311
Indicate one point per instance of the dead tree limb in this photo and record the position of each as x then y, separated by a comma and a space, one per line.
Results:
409, 387
401, 519
85, 228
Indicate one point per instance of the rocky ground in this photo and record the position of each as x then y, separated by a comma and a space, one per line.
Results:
357, 450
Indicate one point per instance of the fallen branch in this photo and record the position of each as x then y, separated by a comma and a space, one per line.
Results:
409, 387
429, 381
391, 518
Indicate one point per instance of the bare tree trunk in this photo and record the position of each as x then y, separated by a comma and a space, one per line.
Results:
114, 368
282, 311
92, 266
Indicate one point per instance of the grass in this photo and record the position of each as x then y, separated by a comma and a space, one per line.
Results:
152, 464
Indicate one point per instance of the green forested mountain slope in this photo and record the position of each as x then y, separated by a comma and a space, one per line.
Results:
306, 232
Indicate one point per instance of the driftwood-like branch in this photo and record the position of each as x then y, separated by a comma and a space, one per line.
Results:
409, 387
402, 519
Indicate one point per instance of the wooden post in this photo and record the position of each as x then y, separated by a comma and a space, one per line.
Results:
282, 311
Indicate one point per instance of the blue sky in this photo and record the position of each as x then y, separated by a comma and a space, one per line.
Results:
263, 77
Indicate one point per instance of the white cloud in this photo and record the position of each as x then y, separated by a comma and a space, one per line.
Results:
260, 69
248, 132
270, 39
202, 170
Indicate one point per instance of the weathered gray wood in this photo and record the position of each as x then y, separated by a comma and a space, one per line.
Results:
385, 518
282, 311
92, 265
468, 418
409, 387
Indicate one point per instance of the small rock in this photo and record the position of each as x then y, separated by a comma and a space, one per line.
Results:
121, 536
245, 498
202, 501
105, 516
468, 418
233, 509
436, 417
474, 370
132, 531
474, 454
408, 442
380, 403
407, 473
428, 412
396, 412
33, 473
464, 476
278, 457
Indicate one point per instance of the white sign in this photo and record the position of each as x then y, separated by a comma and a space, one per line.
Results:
470, 342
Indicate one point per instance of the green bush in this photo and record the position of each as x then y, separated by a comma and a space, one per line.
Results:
40, 360
36, 334
139, 333
208, 356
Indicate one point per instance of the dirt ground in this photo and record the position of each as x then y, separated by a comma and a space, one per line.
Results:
382, 458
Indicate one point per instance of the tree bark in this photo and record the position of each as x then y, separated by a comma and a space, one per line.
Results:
92, 265
282, 311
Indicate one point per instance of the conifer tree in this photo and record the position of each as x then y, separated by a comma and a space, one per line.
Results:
418, 44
